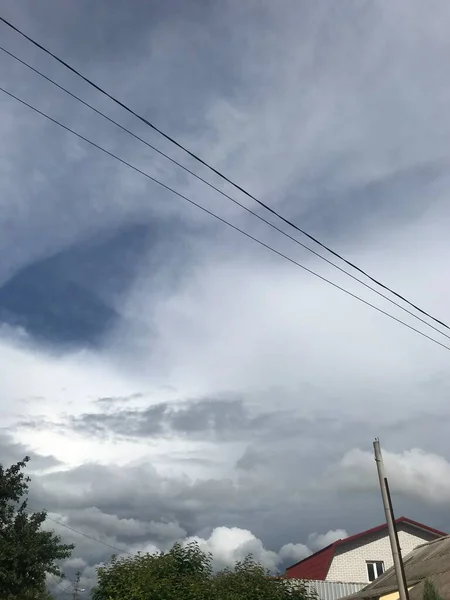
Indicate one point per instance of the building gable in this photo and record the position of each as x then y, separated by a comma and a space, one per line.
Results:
350, 560
346, 560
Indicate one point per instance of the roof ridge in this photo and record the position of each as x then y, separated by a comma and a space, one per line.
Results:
320, 561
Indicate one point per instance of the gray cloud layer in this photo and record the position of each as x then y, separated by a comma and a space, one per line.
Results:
231, 398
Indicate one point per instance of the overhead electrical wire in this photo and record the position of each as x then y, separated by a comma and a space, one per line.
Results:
218, 173
85, 535
222, 220
58, 582
89, 537
212, 186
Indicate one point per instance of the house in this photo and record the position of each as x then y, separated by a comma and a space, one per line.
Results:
363, 557
428, 561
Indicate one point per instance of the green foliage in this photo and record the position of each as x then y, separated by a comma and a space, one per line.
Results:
27, 553
185, 573
180, 573
250, 581
430, 592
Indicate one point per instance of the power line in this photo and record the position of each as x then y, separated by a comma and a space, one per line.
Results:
221, 175
222, 220
89, 537
56, 580
272, 225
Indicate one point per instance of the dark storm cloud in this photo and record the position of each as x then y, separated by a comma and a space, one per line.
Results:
268, 433
12, 452
276, 482
138, 493
281, 101
113, 400
126, 530
387, 199
130, 23
125, 422
164, 44
135, 492
132, 507
206, 417
54, 310
73, 297
280, 491
198, 51
55, 207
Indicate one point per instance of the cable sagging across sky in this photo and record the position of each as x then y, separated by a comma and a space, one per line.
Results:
222, 220
248, 210
220, 174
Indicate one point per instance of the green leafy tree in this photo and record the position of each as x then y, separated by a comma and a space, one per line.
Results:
183, 572
27, 553
186, 573
430, 592
250, 581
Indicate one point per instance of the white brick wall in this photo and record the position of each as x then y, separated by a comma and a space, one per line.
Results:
349, 562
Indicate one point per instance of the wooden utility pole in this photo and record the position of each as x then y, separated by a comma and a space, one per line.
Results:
393, 537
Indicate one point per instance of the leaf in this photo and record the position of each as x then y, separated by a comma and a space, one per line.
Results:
185, 573
27, 553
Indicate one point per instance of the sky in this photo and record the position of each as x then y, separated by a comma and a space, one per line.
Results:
171, 379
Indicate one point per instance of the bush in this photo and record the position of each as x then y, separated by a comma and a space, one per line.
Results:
186, 573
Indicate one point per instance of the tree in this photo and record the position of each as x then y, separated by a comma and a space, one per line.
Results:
430, 592
185, 572
250, 581
27, 553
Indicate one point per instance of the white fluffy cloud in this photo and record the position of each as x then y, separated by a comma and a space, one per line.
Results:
228, 545
290, 110
317, 541
292, 553
425, 475
231, 544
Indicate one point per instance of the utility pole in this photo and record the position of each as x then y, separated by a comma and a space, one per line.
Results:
393, 537
76, 587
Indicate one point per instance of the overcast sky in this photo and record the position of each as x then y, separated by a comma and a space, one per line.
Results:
171, 379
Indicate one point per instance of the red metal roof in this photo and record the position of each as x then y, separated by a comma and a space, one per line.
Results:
316, 566
313, 567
